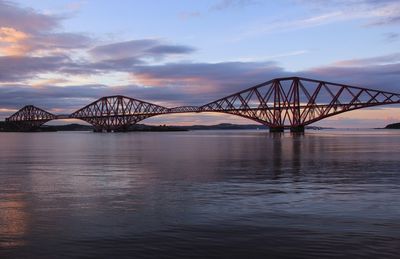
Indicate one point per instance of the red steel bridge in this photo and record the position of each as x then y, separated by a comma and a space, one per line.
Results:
291, 102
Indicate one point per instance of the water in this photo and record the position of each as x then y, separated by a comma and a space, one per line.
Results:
214, 194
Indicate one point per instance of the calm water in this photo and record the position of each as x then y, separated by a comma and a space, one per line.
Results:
222, 194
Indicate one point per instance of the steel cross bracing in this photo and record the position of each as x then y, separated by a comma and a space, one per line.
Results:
296, 102
115, 113
292, 102
30, 117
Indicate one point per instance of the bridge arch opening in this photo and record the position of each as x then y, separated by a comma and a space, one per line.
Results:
196, 118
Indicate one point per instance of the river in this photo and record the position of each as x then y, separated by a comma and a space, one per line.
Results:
200, 194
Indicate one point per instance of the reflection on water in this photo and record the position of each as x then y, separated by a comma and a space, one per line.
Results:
13, 220
200, 194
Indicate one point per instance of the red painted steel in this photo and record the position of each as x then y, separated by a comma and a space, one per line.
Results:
30, 117
295, 102
292, 102
116, 113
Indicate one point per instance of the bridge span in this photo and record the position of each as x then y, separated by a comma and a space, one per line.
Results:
291, 102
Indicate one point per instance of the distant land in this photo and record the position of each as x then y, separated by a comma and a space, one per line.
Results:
4, 127
393, 126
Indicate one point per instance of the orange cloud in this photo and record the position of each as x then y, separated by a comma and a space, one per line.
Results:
12, 42
5, 110
8, 34
47, 82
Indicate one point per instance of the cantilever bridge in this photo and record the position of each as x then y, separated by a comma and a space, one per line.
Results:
291, 102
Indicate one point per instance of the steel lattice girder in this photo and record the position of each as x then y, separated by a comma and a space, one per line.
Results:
291, 102
281, 102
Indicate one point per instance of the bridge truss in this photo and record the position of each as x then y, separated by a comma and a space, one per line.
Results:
295, 102
30, 117
292, 102
116, 113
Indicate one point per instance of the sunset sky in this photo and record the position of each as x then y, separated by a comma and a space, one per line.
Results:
61, 55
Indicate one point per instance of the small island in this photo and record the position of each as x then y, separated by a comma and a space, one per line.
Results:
393, 126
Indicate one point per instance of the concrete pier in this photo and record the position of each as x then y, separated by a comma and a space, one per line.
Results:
297, 129
276, 129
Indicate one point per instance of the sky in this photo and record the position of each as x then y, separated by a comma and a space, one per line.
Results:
61, 55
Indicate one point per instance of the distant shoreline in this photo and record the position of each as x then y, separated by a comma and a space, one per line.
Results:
4, 127
149, 128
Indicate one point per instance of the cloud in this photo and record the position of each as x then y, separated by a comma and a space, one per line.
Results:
376, 12
24, 31
9, 41
22, 68
181, 83
26, 19
139, 49
64, 99
19, 68
14, 69
11, 35
280, 26
391, 36
370, 13
32, 44
70, 98
18, 43
381, 73
216, 79
175, 84
380, 60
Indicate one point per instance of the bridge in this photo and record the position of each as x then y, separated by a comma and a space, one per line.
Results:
291, 102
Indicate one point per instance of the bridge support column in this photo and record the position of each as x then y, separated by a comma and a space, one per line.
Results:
124, 128
276, 129
299, 128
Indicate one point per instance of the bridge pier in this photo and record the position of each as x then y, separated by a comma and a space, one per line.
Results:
124, 128
299, 128
276, 129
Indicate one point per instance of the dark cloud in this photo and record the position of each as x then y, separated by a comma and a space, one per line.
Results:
186, 83
70, 98
60, 100
140, 49
208, 78
169, 49
197, 83
211, 81
382, 72
380, 77
19, 68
